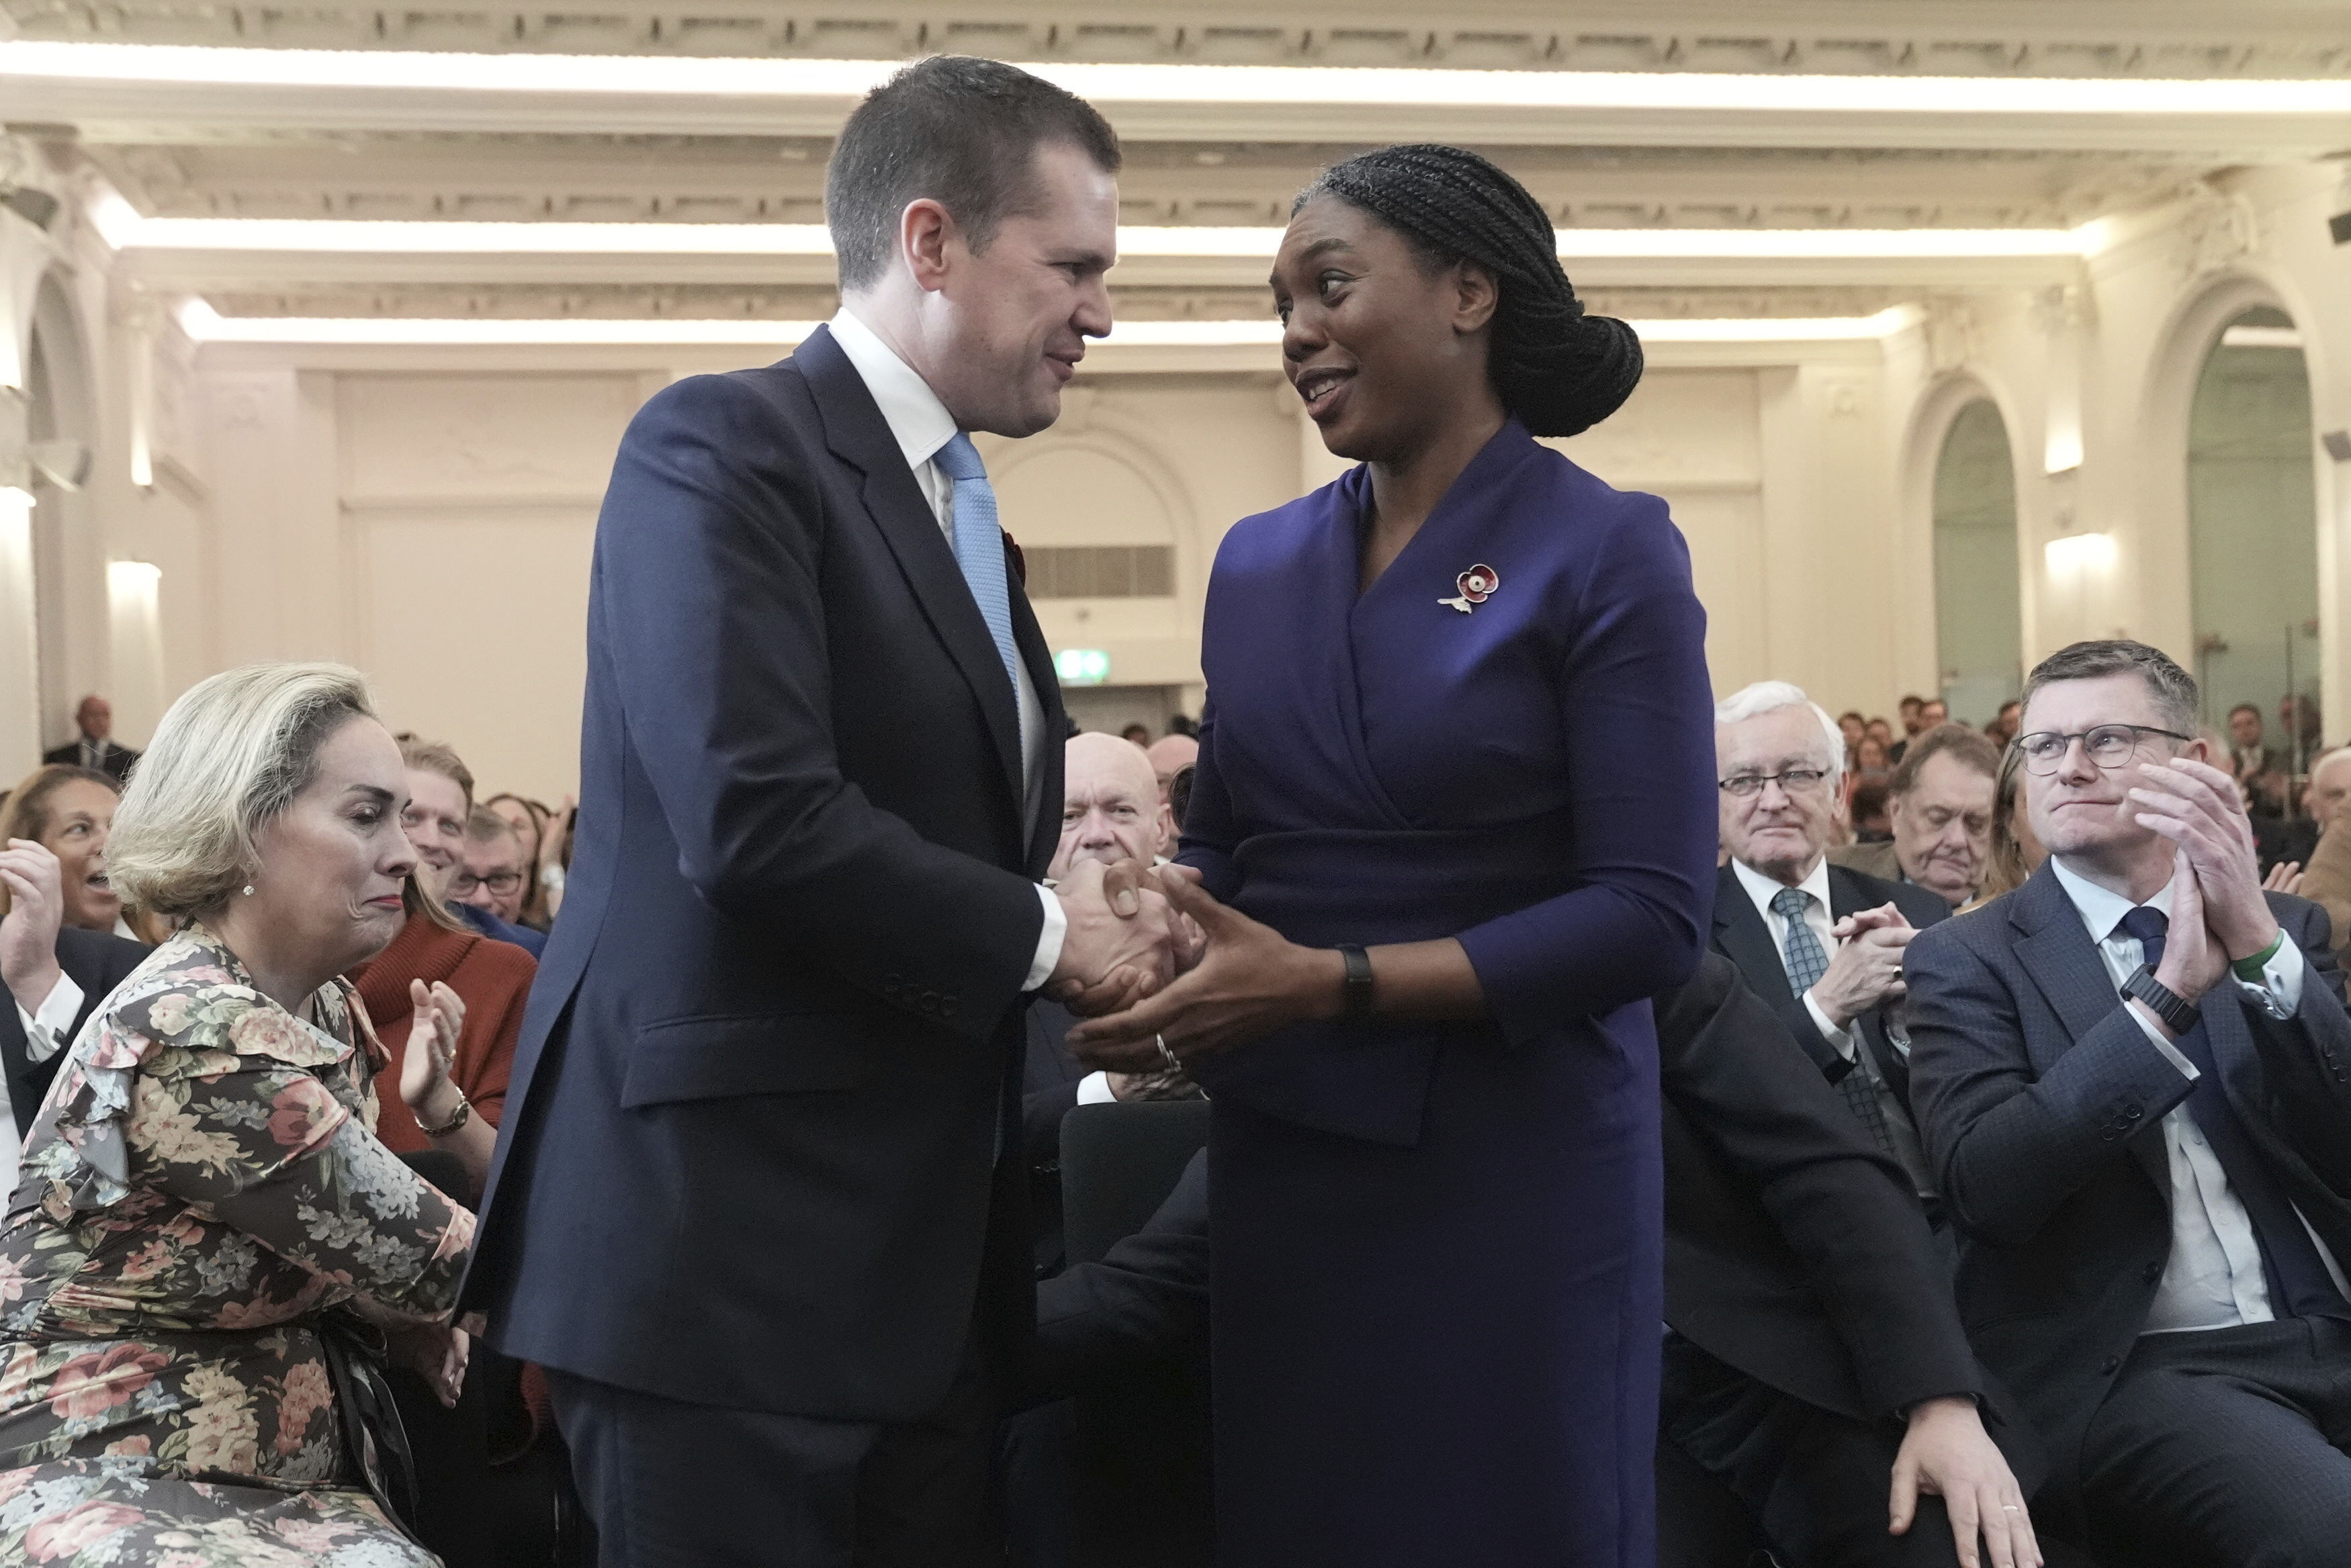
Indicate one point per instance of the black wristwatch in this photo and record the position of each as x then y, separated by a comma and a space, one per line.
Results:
2179, 1013
1355, 994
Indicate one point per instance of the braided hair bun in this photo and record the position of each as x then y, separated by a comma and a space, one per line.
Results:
1558, 371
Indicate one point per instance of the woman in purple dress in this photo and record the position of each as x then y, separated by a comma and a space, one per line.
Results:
1453, 824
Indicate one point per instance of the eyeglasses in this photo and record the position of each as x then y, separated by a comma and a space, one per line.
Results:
2108, 745
1790, 780
499, 882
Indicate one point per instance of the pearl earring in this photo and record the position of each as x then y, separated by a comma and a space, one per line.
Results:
248, 890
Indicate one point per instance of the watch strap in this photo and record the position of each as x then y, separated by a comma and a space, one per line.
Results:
2179, 1014
1355, 996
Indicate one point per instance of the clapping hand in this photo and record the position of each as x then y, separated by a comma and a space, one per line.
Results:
28, 936
2194, 805
1866, 968
436, 1021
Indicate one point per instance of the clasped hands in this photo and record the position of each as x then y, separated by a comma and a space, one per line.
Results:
1151, 957
2219, 914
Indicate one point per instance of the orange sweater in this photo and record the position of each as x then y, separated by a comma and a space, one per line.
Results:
492, 977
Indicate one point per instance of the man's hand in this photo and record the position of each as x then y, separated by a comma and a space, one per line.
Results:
1124, 939
2193, 804
28, 936
2193, 961
1948, 1453
1866, 967
2286, 877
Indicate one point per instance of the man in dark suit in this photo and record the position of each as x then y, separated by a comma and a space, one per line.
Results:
95, 747
758, 1202
1822, 943
2134, 1075
56, 974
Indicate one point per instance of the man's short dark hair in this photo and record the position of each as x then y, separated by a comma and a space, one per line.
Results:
2173, 688
1961, 744
961, 130
2245, 708
1913, 701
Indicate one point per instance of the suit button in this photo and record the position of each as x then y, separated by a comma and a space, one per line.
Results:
892, 985
2107, 1134
2110, 1365
928, 1002
2133, 1114
946, 1006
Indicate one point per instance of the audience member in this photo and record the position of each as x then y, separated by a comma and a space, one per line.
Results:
528, 819
2261, 770
440, 800
1870, 759
2015, 852
1853, 726
1912, 710
1822, 943
2326, 880
69, 811
56, 974
2130, 1074
1941, 811
1866, 806
1170, 755
2002, 727
1139, 735
1880, 731
207, 1234
95, 748
2298, 716
494, 873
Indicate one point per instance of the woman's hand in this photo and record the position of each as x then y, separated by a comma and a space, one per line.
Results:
439, 1017
436, 1352
1249, 982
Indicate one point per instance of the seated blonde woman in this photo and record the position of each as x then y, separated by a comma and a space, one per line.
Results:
209, 1255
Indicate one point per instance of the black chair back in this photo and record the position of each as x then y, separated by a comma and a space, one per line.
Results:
1119, 1162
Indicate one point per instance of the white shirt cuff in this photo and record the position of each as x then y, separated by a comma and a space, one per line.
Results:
1093, 1089
2154, 1031
1049, 940
47, 1027
1840, 1038
2279, 991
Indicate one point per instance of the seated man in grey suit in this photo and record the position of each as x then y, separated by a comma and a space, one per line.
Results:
1822, 943
2133, 1077
1939, 805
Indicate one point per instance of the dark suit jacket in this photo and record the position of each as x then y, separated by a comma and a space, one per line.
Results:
115, 764
1743, 936
749, 1155
2039, 1098
1795, 1252
97, 961
1050, 1077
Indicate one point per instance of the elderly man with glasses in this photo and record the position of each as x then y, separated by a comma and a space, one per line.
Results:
2134, 1075
1822, 944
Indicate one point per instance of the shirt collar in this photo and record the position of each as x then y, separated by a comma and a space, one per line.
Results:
918, 421
1762, 890
2103, 910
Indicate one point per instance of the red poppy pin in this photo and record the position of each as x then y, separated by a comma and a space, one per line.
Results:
1474, 587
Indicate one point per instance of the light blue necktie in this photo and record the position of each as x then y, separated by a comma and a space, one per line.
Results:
979, 546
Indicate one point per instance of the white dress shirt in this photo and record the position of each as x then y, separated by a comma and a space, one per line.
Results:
2214, 1277
1762, 890
921, 425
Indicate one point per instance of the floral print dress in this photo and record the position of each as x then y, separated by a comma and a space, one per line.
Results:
201, 1197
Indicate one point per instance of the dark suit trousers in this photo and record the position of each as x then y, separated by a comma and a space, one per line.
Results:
673, 1485
2227, 1448
1815, 1482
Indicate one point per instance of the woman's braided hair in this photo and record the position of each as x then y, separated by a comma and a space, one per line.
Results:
1559, 371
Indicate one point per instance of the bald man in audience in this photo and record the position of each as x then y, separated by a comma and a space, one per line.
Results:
1170, 755
2326, 880
1939, 805
1112, 810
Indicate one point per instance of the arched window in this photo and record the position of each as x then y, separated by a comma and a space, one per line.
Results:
1979, 621
2252, 532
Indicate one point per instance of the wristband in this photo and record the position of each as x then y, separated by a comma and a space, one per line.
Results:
2179, 1014
458, 1119
2254, 970
1355, 994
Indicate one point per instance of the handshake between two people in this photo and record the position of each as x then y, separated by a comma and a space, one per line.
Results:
1161, 974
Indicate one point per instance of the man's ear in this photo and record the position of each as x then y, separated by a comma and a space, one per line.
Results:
928, 242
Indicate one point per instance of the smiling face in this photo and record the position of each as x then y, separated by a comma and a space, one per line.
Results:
80, 815
1386, 350
1777, 830
494, 875
435, 820
331, 864
1003, 327
2082, 810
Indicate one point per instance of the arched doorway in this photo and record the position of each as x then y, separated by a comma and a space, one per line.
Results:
2252, 532
1979, 616
66, 561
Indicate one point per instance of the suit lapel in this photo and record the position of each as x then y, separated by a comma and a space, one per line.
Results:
1028, 638
856, 432
2056, 951
1741, 933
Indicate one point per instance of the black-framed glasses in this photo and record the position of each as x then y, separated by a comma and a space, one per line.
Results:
499, 882
2107, 745
1790, 780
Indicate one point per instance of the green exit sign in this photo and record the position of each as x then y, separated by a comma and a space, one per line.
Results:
1082, 666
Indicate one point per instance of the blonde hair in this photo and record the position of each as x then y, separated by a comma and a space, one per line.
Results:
230, 756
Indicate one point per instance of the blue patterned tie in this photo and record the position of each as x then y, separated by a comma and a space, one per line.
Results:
2299, 1283
1806, 962
979, 546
